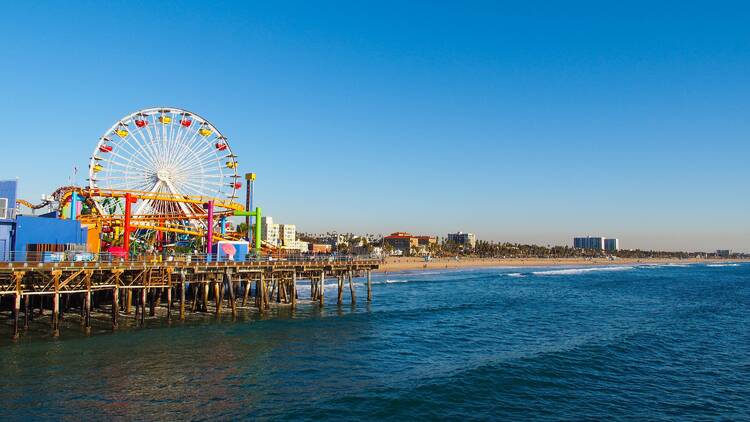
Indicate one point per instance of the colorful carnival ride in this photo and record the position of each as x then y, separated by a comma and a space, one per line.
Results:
159, 177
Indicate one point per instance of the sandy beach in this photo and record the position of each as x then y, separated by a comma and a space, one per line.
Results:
403, 264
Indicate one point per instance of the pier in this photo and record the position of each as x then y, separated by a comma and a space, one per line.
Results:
49, 291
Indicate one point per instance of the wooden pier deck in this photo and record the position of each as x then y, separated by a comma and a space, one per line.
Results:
127, 288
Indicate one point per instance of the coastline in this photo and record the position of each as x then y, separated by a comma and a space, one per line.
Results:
393, 264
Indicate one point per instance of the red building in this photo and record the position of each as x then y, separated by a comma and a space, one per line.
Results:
406, 242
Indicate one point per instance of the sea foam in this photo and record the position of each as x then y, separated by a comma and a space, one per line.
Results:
574, 271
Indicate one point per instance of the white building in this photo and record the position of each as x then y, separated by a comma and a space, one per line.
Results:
269, 231
288, 234
465, 239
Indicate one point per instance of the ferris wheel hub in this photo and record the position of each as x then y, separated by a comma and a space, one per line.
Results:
163, 175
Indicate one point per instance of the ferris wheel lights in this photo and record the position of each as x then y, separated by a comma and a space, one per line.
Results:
121, 133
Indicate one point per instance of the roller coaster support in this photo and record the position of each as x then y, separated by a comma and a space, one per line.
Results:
257, 215
209, 206
129, 200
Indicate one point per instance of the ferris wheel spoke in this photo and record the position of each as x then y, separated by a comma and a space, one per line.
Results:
142, 145
206, 187
181, 132
138, 163
148, 153
195, 152
186, 143
199, 146
146, 158
148, 137
182, 205
206, 161
119, 146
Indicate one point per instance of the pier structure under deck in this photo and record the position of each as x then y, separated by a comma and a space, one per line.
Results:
50, 290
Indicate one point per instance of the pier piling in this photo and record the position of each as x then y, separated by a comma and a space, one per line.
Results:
352, 293
89, 287
369, 286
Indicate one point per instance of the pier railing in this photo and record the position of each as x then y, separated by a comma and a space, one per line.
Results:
72, 257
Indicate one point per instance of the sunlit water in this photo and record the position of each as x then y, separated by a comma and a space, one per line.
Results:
629, 342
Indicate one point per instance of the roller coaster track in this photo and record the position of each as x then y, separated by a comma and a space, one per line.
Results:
29, 205
161, 196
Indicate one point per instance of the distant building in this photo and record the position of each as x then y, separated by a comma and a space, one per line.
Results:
611, 245
302, 245
7, 217
269, 231
724, 253
405, 242
598, 243
319, 248
588, 243
465, 239
288, 234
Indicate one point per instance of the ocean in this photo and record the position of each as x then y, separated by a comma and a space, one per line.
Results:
658, 342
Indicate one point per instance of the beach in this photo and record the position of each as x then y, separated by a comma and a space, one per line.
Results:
415, 263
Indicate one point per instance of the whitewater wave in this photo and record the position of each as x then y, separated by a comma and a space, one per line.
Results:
515, 275
574, 271
391, 281
722, 265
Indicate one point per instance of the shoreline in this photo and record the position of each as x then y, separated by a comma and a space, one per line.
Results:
392, 264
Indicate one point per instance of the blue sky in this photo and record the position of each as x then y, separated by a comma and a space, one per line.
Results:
519, 121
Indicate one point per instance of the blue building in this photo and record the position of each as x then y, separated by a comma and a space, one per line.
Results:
612, 244
588, 242
598, 243
8, 189
21, 233
46, 231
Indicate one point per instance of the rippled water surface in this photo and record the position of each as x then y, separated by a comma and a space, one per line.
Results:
629, 342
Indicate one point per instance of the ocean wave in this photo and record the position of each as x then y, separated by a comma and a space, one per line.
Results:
574, 271
515, 275
392, 281
722, 265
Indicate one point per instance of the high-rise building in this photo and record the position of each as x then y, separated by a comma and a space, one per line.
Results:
588, 242
465, 239
269, 231
611, 245
597, 242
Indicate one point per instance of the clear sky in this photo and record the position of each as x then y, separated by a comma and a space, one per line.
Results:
519, 121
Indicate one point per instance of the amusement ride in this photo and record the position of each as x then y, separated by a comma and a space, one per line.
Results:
159, 177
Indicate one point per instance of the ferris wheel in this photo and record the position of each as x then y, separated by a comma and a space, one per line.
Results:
167, 151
